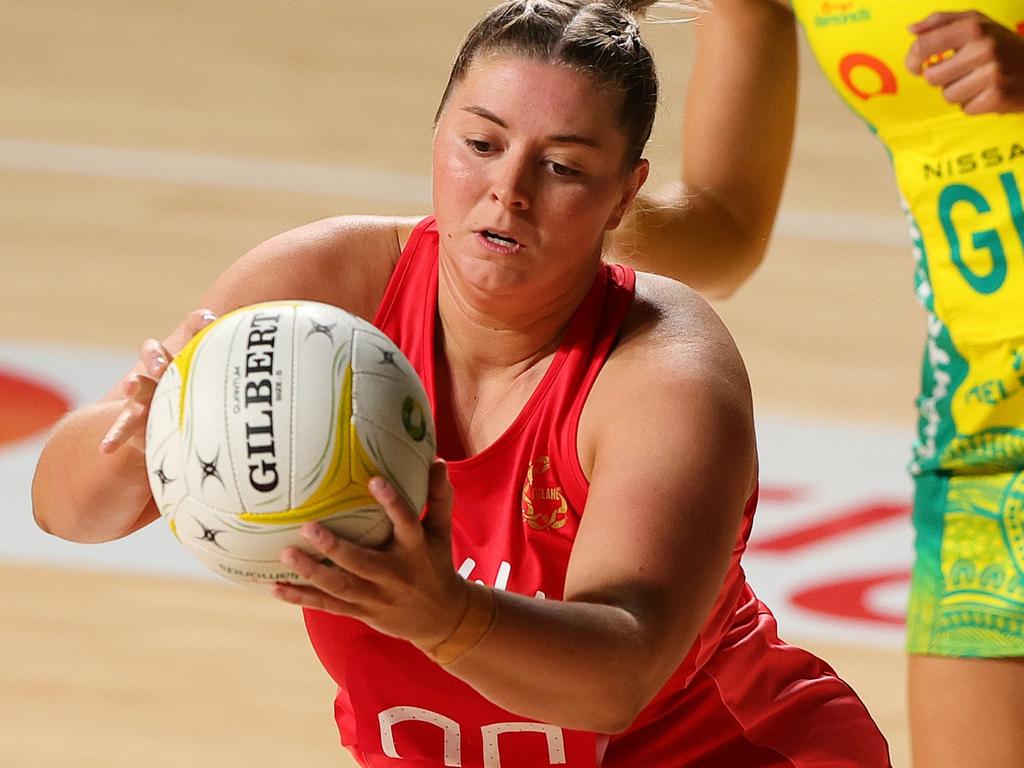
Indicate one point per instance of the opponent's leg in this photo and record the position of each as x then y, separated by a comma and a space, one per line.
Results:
966, 712
965, 623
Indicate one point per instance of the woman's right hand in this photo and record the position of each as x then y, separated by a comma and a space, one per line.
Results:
977, 62
129, 427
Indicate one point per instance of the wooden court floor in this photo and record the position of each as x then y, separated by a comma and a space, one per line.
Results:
144, 145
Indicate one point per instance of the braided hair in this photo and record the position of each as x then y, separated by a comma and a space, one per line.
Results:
600, 38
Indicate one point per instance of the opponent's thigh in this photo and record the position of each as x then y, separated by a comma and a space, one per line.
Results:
967, 585
966, 712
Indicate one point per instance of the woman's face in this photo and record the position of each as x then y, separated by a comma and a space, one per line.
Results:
529, 172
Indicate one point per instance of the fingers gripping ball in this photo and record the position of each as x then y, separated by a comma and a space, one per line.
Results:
277, 414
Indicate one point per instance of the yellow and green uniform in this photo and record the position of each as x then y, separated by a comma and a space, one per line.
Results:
962, 181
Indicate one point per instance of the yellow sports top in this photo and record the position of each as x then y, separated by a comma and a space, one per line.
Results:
962, 179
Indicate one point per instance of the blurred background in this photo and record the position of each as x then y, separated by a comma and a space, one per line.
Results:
145, 145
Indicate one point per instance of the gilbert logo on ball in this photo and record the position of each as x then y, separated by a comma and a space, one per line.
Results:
277, 414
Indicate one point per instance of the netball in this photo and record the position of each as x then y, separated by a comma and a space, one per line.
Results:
277, 414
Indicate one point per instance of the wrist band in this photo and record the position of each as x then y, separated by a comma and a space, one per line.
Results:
475, 624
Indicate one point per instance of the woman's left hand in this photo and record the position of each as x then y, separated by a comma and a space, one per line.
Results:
978, 63
408, 589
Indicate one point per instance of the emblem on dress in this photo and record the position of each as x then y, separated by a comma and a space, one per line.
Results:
544, 506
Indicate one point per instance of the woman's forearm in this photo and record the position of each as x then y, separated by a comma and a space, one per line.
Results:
82, 494
539, 660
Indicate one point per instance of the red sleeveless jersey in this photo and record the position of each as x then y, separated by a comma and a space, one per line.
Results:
739, 698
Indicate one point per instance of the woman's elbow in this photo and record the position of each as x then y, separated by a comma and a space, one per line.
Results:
41, 521
43, 508
51, 519
736, 270
616, 715
620, 700
82, 518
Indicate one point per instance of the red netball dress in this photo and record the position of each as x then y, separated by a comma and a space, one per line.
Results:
740, 699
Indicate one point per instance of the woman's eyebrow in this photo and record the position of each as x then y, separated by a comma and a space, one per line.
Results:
561, 138
486, 114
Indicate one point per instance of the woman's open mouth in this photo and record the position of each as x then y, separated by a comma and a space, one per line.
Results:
497, 242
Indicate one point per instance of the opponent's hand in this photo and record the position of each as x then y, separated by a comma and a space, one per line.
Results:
409, 589
129, 427
984, 73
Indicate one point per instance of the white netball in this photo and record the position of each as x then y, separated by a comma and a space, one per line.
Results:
277, 414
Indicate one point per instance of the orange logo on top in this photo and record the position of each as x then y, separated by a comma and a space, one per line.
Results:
854, 62
543, 504
827, 7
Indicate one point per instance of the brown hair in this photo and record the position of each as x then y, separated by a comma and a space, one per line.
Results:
598, 37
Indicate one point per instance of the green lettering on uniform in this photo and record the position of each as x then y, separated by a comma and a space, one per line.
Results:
1016, 209
987, 239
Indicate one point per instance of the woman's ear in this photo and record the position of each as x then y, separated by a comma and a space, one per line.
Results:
634, 181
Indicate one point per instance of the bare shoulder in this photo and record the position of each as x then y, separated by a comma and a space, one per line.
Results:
671, 329
343, 260
675, 371
675, 393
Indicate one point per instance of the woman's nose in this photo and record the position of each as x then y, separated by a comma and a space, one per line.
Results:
512, 183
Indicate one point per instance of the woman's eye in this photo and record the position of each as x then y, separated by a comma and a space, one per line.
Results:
479, 145
562, 170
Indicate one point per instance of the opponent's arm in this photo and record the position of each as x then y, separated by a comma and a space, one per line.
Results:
90, 482
667, 440
977, 62
711, 229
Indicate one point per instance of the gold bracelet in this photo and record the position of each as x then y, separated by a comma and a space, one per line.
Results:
474, 626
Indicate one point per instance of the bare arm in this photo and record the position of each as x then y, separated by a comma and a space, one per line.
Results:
90, 482
82, 492
655, 541
711, 229
649, 558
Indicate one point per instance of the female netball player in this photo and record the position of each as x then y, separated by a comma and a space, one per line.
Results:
944, 91
572, 594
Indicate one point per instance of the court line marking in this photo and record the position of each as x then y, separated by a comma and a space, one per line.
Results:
349, 181
214, 171
840, 227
